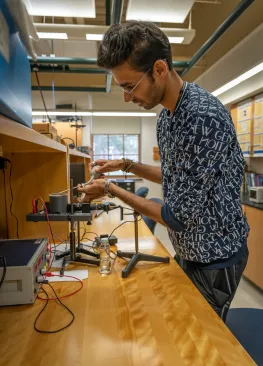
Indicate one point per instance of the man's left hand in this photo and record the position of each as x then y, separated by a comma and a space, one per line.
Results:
93, 191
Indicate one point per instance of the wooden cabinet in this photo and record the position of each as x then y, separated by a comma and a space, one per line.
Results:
247, 117
244, 125
254, 269
40, 166
258, 127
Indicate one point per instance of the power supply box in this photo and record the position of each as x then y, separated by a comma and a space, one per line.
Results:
25, 262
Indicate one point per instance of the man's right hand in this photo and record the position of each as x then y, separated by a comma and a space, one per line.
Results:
105, 166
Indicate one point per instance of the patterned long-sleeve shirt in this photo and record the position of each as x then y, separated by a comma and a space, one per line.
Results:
202, 171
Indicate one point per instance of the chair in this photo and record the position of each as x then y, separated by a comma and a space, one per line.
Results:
150, 222
247, 326
142, 192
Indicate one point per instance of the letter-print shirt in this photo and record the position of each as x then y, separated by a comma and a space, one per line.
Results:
202, 171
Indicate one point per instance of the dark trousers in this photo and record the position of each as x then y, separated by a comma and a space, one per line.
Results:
218, 286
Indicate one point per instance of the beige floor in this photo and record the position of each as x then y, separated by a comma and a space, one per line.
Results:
247, 296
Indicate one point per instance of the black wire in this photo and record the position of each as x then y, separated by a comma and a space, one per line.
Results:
91, 232
93, 246
61, 304
4, 271
121, 225
68, 138
42, 96
7, 230
12, 197
50, 227
127, 208
87, 232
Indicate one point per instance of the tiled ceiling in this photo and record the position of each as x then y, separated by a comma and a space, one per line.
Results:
207, 15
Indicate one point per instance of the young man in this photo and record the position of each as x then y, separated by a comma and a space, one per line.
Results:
201, 162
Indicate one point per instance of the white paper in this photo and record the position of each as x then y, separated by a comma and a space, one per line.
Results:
81, 274
61, 248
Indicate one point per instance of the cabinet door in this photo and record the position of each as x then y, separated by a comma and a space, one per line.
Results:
254, 269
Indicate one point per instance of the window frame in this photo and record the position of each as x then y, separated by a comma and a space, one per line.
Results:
118, 134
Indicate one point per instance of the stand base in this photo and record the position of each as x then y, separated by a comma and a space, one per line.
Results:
67, 258
78, 250
137, 257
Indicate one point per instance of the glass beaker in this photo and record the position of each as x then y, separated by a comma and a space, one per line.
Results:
105, 259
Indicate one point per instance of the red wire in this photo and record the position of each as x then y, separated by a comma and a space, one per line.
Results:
49, 274
49, 225
65, 296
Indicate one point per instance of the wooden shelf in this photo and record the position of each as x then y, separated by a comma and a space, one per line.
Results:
39, 167
15, 137
78, 153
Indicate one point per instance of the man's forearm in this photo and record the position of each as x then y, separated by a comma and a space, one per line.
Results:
149, 172
143, 206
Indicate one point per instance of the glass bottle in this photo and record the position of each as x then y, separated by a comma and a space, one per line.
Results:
105, 259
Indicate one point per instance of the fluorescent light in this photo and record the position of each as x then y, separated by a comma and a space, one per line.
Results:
123, 114
47, 35
94, 37
96, 114
50, 113
64, 8
255, 70
176, 39
174, 11
98, 37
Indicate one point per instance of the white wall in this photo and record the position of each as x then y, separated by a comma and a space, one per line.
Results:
112, 125
244, 56
148, 141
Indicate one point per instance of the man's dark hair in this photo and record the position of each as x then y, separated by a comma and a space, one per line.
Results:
140, 43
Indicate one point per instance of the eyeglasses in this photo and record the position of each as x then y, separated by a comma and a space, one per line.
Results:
131, 91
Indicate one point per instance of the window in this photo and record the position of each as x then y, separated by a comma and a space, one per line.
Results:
112, 147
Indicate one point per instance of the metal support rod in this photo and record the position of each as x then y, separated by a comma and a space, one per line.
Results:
135, 214
214, 2
81, 61
72, 88
108, 83
78, 234
116, 11
108, 16
242, 6
71, 197
115, 18
72, 234
65, 69
64, 60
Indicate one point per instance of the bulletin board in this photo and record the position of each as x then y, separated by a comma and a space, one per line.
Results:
244, 125
258, 126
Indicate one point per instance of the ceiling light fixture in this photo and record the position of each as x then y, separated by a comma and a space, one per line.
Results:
50, 35
174, 11
63, 8
96, 32
123, 114
176, 39
255, 70
94, 37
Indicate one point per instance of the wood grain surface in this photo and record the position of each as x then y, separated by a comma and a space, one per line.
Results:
155, 317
